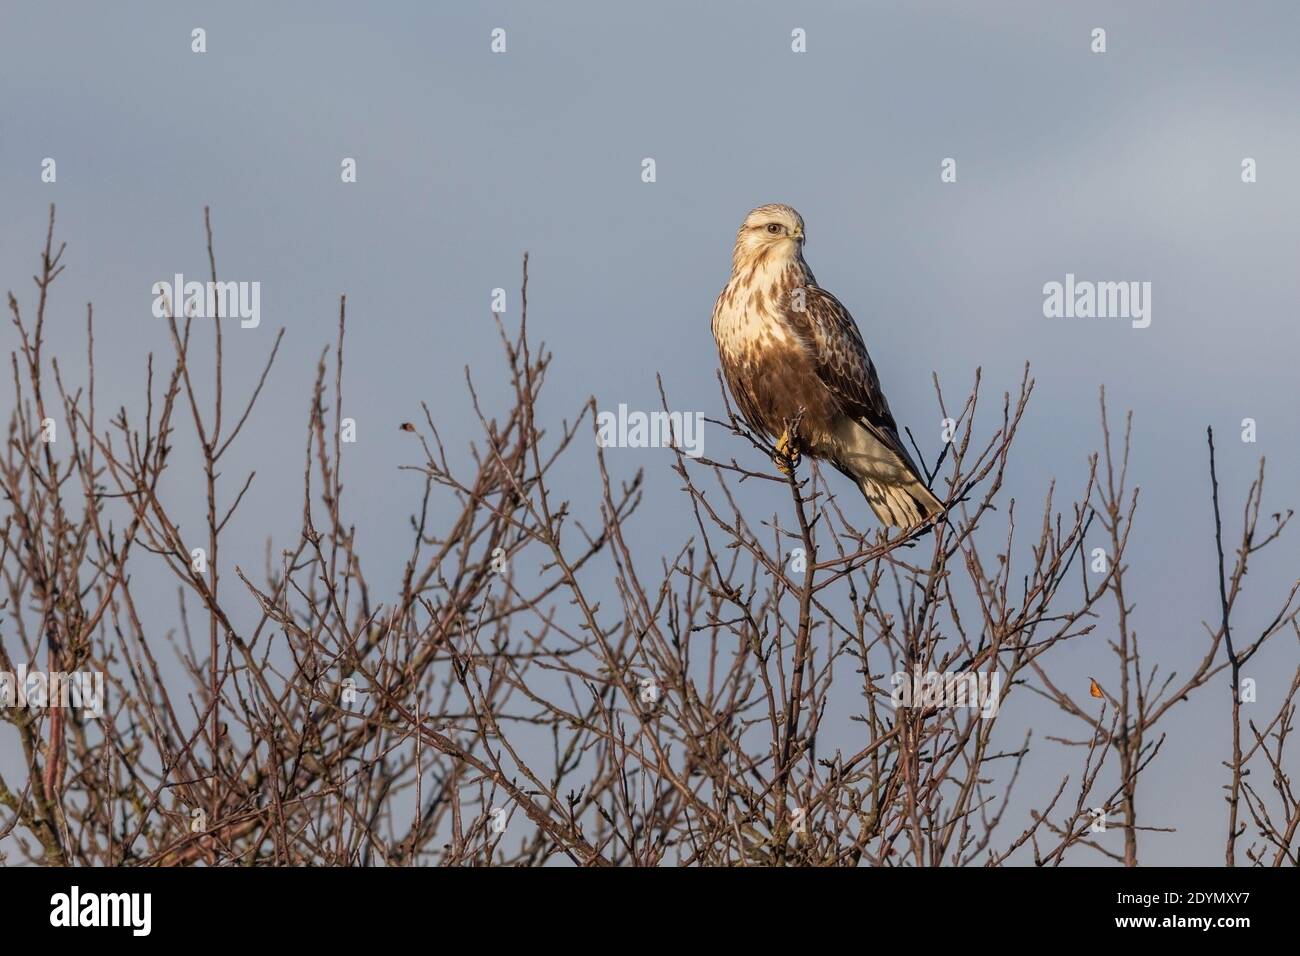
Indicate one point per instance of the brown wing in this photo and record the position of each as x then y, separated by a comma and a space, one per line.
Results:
842, 363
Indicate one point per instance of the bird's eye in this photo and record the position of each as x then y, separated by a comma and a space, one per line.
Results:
774, 228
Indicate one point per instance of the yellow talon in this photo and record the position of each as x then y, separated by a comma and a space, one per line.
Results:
788, 452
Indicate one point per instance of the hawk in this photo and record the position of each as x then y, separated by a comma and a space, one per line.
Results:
799, 372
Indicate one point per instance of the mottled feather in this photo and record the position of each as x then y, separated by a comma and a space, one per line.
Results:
845, 367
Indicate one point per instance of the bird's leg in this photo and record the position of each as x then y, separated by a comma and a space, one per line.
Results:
787, 453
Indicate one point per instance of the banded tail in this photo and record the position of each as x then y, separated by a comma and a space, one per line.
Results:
900, 505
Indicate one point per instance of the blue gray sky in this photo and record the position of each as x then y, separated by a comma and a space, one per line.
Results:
1117, 166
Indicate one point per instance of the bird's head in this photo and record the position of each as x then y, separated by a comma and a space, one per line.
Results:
773, 232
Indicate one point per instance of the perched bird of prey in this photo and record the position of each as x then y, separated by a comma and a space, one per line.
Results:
799, 372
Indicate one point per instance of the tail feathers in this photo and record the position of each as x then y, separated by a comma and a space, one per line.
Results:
900, 505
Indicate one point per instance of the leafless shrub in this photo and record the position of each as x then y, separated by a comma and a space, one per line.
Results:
533, 688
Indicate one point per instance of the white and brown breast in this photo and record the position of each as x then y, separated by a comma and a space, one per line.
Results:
768, 358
